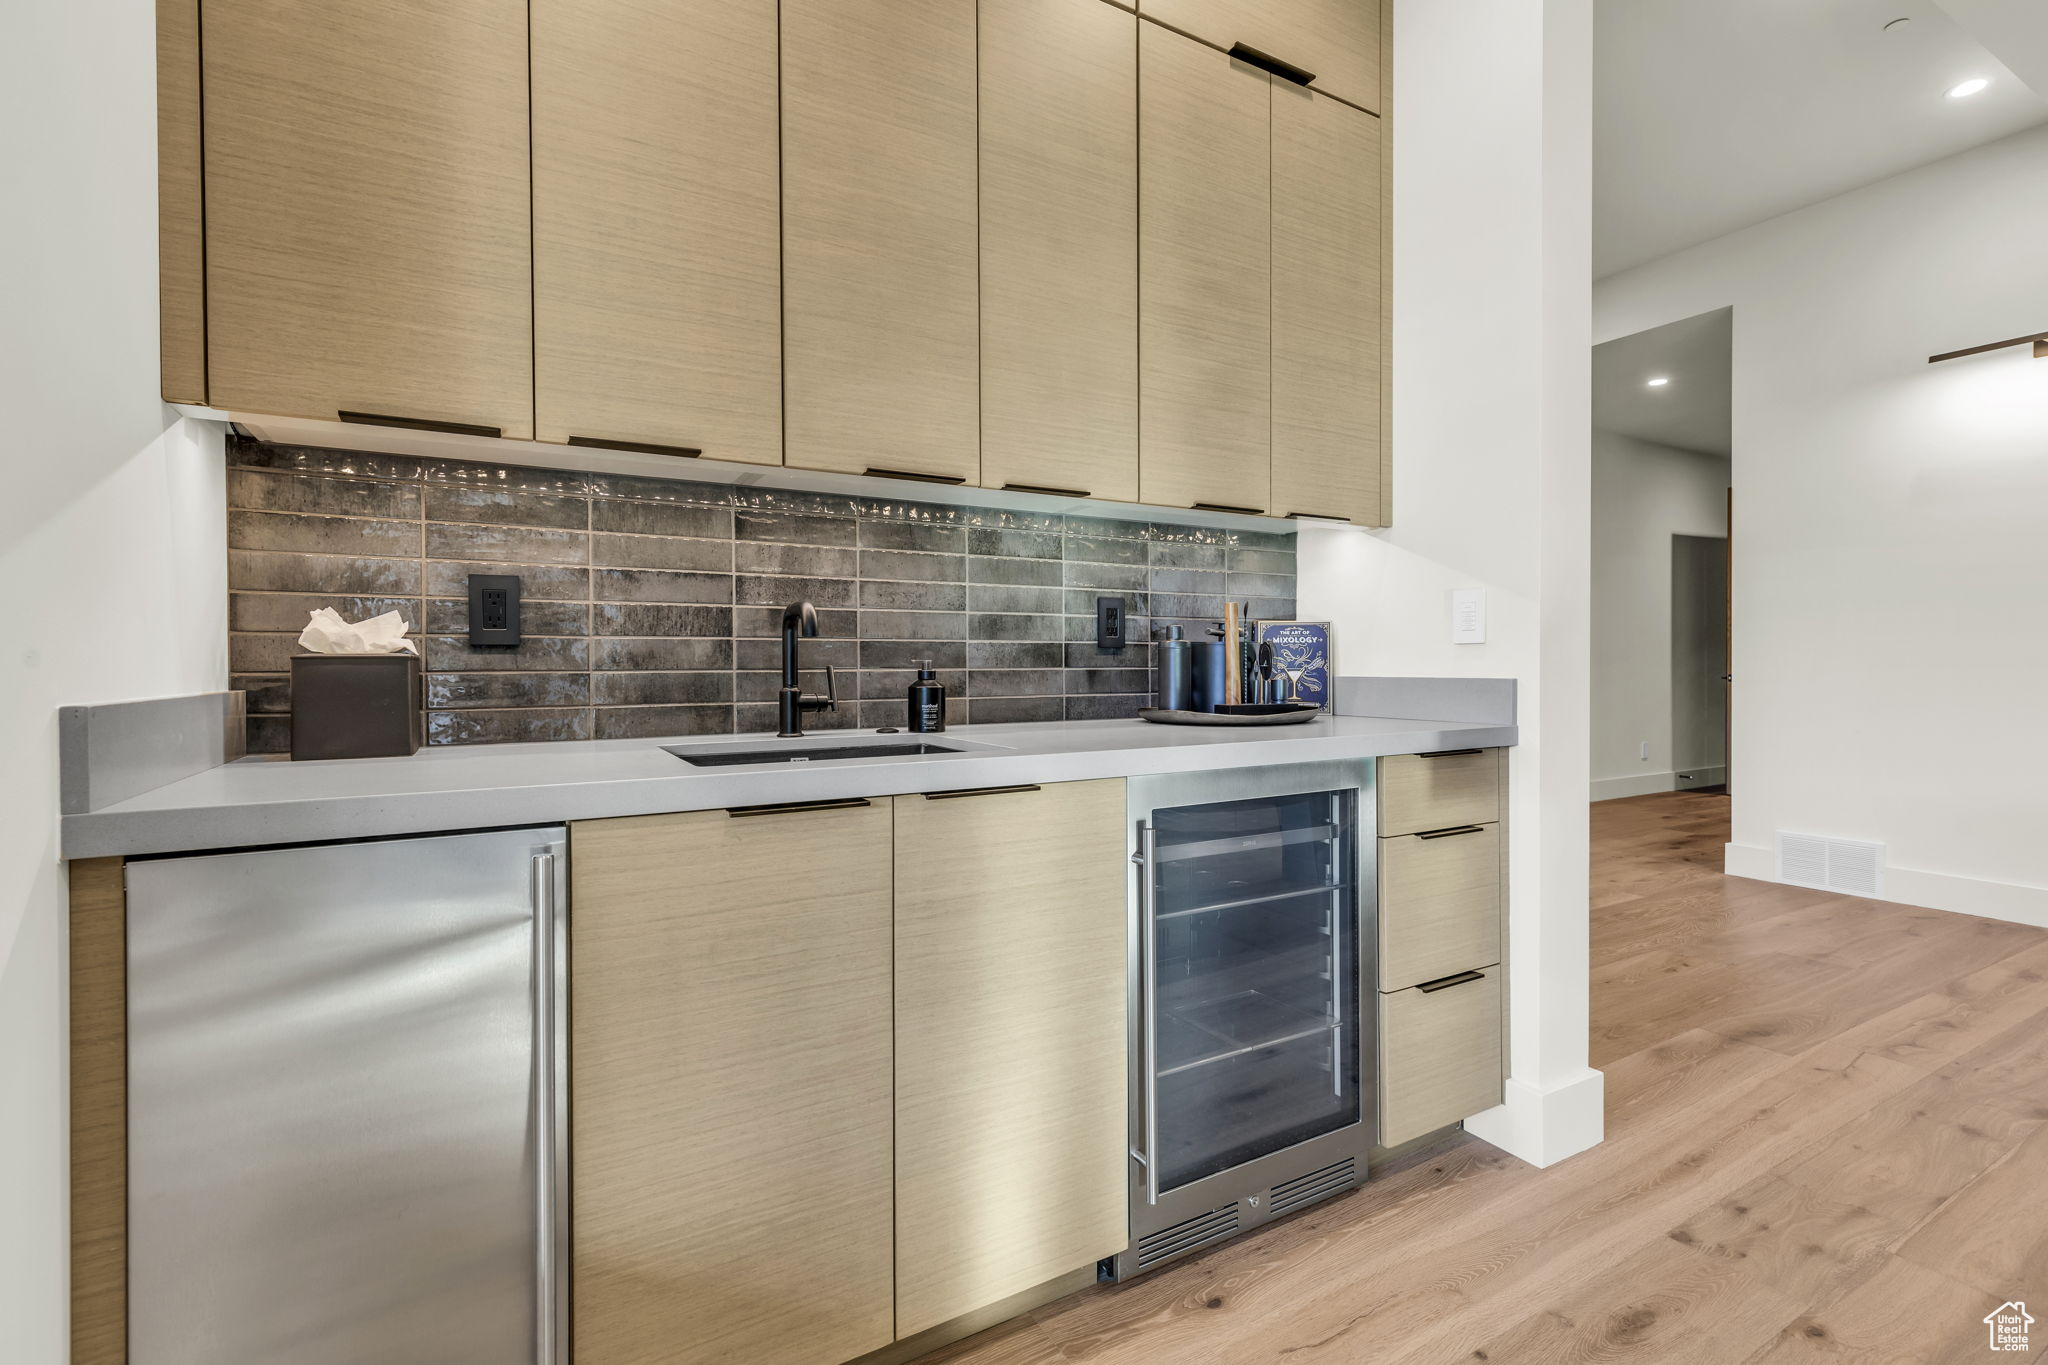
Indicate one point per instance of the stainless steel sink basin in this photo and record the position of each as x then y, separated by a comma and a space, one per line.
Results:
736, 755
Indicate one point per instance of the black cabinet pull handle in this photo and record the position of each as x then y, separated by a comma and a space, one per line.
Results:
1444, 983
1044, 488
980, 791
913, 476
1451, 753
643, 447
796, 807
1227, 507
384, 419
1315, 516
1267, 62
1449, 833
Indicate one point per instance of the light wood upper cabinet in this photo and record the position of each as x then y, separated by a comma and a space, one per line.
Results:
880, 348
730, 1046
1326, 308
1205, 277
1338, 41
1011, 1076
181, 217
657, 253
367, 244
1059, 261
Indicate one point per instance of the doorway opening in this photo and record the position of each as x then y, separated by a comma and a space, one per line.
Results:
1662, 476
1699, 662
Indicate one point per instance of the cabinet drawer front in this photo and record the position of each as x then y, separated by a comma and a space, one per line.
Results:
1420, 792
1440, 1056
1439, 905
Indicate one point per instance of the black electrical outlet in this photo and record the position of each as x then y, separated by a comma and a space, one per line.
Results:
1109, 623
493, 610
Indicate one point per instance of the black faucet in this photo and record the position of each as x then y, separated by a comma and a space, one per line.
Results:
792, 701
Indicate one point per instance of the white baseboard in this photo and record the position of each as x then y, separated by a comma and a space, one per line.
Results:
1544, 1126
1636, 784
1907, 886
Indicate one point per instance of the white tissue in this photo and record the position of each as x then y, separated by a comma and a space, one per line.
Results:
327, 633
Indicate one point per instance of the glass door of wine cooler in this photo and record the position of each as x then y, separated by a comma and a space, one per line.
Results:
1250, 946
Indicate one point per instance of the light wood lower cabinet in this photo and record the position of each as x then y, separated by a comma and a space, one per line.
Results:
730, 1052
880, 342
1059, 259
839, 1076
1438, 791
1440, 904
1326, 308
1440, 1054
367, 210
1011, 1079
657, 251
1205, 276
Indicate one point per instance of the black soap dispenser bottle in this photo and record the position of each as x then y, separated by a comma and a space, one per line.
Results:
927, 701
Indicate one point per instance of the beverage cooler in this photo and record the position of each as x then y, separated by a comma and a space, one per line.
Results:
1252, 935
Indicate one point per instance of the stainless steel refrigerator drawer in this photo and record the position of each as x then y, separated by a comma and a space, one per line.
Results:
345, 1103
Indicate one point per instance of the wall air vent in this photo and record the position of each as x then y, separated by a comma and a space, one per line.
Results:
1854, 867
1186, 1235
1289, 1195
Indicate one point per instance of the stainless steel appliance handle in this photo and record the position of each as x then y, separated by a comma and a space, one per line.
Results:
546, 1133
1148, 979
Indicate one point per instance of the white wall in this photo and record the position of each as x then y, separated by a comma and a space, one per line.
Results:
110, 544
1490, 414
1891, 644
1643, 494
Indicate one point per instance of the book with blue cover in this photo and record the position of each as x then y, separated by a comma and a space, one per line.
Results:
1301, 650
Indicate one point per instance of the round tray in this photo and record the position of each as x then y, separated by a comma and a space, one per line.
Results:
1159, 716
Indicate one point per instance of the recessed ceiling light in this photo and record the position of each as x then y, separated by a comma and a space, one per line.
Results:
1657, 381
1972, 86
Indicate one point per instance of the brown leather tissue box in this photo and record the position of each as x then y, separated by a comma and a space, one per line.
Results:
357, 705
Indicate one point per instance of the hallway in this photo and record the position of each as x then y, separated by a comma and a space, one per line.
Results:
1827, 1139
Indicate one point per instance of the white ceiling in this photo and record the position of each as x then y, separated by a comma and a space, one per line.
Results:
1712, 115
1691, 412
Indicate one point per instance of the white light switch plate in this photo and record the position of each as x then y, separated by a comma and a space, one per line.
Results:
1468, 616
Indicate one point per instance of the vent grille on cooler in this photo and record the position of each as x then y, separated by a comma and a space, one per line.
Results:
1306, 1189
1852, 866
1186, 1235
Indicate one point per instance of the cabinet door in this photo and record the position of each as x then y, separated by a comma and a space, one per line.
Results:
1205, 279
1059, 260
880, 351
656, 251
1338, 41
1326, 308
1011, 1071
1440, 1054
367, 206
729, 1073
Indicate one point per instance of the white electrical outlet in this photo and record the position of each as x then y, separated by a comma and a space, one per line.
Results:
1646, 751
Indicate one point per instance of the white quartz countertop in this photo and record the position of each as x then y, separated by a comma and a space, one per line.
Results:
275, 801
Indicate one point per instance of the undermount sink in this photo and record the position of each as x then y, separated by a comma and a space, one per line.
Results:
729, 755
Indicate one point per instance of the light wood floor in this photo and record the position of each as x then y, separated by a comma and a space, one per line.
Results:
1827, 1140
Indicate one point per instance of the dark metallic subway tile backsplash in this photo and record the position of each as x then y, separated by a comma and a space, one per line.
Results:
653, 607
